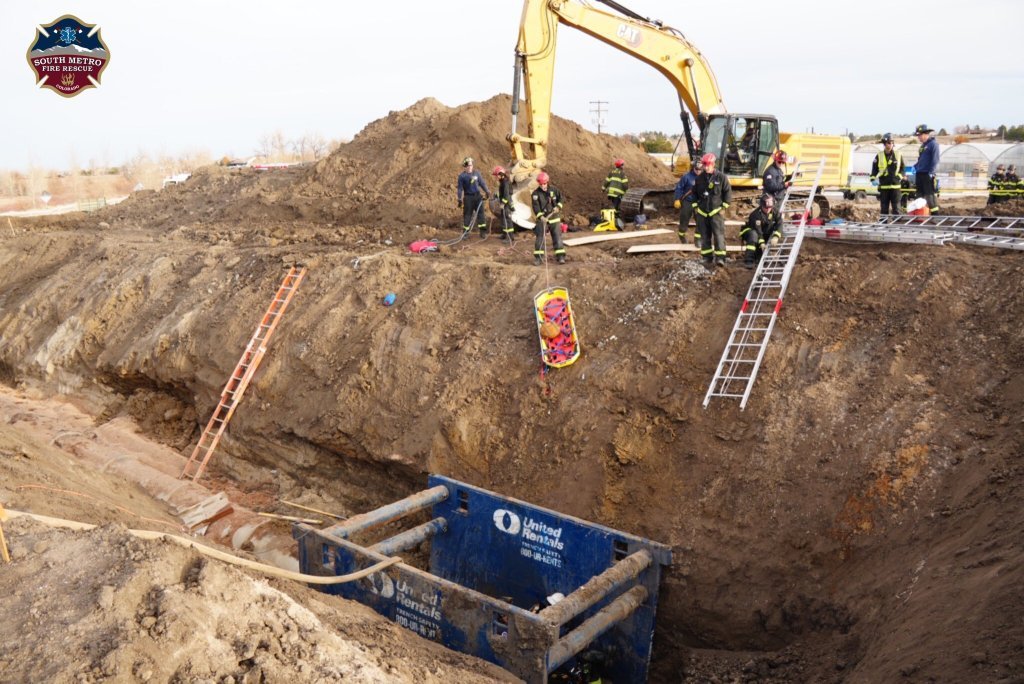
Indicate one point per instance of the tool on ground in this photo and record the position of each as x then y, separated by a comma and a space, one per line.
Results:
242, 375
312, 510
737, 369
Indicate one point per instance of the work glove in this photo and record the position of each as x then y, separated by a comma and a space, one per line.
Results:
677, 204
460, 204
874, 182
774, 239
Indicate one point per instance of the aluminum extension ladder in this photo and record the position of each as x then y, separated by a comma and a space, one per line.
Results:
741, 359
1003, 232
243, 373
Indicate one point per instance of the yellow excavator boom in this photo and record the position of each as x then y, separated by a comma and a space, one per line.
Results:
662, 47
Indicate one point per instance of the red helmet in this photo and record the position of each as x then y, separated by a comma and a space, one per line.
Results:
542, 178
780, 156
498, 170
709, 159
619, 163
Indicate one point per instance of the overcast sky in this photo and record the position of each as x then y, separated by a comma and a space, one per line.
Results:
218, 75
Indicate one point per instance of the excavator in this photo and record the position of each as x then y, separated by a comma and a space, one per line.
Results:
743, 143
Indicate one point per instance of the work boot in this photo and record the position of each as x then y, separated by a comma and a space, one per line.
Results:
537, 260
560, 258
748, 264
483, 233
721, 261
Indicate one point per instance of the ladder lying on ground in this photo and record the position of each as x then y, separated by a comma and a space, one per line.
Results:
1005, 232
242, 374
741, 359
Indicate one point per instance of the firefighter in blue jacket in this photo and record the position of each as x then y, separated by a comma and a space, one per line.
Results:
774, 179
927, 163
470, 193
684, 200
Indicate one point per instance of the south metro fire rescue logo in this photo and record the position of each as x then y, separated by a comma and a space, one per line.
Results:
68, 56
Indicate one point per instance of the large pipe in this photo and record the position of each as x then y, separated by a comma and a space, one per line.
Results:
391, 512
606, 618
597, 588
410, 538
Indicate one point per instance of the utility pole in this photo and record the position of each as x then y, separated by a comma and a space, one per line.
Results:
599, 119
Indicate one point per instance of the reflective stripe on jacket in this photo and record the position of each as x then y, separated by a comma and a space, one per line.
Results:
616, 184
887, 172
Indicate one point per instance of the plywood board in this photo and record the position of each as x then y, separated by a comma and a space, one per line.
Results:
673, 247
616, 235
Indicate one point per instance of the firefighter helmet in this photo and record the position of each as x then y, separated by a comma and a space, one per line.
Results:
498, 170
619, 163
780, 156
467, 161
542, 178
709, 159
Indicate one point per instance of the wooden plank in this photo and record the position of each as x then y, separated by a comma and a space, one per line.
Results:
615, 235
206, 511
673, 247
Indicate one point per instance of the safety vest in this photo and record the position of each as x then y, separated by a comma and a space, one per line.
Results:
883, 169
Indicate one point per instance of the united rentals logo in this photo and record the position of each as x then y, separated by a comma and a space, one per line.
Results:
68, 56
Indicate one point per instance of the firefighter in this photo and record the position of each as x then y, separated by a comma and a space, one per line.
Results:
997, 185
504, 196
1014, 187
774, 180
616, 185
684, 200
887, 174
711, 196
471, 192
763, 225
927, 163
547, 209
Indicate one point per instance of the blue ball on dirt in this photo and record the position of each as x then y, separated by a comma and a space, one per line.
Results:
389, 299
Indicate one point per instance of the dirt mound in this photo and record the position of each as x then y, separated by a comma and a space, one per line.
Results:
1012, 208
133, 610
402, 168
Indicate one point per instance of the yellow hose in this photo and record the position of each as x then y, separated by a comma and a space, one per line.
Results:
271, 570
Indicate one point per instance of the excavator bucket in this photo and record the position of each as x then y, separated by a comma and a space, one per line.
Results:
524, 180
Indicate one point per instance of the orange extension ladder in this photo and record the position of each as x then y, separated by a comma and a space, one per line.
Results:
241, 376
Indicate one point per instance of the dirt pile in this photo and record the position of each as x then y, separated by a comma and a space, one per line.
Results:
140, 611
402, 168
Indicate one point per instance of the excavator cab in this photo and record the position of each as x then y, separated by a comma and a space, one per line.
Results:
743, 143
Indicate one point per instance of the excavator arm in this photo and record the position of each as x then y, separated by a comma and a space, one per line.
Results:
662, 47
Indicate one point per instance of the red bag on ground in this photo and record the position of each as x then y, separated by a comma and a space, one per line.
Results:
421, 246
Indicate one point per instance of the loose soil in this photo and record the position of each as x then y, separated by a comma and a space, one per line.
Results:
860, 521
